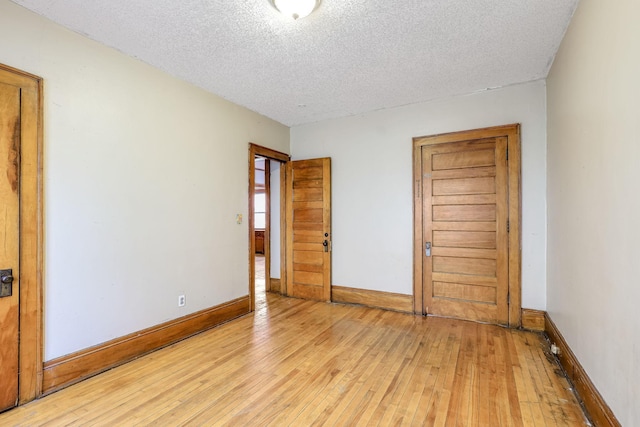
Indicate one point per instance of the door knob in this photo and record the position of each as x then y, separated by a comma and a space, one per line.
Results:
6, 276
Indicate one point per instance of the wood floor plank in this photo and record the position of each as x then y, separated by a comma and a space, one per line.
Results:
302, 363
436, 353
347, 398
360, 407
408, 390
384, 388
306, 407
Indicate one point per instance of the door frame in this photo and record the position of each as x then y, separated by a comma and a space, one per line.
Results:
512, 133
31, 235
269, 154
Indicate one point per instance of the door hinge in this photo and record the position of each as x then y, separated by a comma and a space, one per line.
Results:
507, 153
508, 226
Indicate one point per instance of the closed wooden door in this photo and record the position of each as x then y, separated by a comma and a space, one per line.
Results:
10, 138
464, 243
309, 229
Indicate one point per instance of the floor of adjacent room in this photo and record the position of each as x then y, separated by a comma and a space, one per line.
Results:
297, 362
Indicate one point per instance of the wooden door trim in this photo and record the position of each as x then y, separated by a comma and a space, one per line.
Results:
283, 228
512, 133
268, 153
31, 234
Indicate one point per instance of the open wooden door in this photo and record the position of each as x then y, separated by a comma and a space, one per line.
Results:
20, 237
9, 253
309, 229
467, 225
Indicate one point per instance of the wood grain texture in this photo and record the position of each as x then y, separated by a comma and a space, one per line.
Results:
464, 213
283, 229
454, 174
533, 320
374, 299
475, 159
252, 225
462, 186
268, 153
512, 133
418, 230
308, 225
598, 410
276, 285
466, 171
469, 266
464, 240
259, 241
10, 140
301, 363
66, 370
465, 292
31, 230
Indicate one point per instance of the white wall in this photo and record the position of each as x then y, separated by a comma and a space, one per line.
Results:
275, 218
372, 182
144, 175
594, 198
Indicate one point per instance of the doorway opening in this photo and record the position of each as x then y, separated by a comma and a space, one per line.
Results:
262, 226
266, 216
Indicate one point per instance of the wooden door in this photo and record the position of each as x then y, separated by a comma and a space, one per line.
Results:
464, 243
10, 138
309, 229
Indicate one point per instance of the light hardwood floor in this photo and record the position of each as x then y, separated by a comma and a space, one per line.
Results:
297, 362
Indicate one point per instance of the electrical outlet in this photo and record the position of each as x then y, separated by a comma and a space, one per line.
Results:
182, 300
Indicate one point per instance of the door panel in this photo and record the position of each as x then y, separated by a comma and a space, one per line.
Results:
476, 199
465, 214
309, 229
473, 266
10, 138
464, 292
469, 212
470, 159
463, 239
455, 186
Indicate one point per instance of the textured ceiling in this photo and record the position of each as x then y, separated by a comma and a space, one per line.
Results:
348, 57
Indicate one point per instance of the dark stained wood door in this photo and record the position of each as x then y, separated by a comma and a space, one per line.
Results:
10, 138
309, 229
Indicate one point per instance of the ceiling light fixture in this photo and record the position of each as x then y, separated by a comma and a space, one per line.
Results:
295, 8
